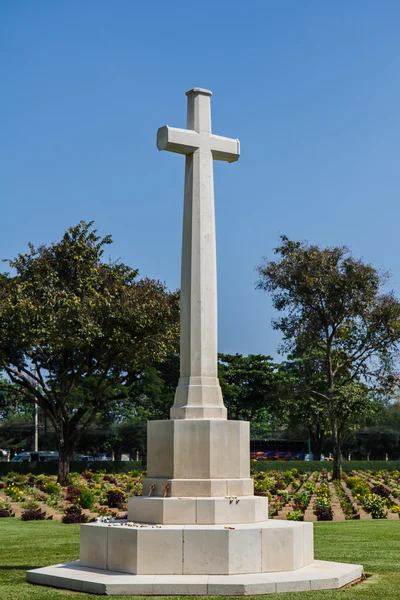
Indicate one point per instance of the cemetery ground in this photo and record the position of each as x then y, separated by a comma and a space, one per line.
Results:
374, 543
357, 522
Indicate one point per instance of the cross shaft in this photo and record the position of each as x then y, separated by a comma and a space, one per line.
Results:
198, 395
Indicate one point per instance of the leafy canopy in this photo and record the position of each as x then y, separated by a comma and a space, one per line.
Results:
74, 329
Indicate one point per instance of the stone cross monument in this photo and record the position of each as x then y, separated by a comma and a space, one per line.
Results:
198, 395
197, 529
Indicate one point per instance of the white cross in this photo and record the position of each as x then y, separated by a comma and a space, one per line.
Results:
198, 134
198, 395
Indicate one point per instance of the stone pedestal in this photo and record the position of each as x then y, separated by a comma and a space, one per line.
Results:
194, 532
198, 457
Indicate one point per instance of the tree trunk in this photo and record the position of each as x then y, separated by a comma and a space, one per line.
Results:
317, 437
337, 452
65, 456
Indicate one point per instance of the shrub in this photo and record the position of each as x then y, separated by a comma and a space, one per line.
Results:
280, 485
86, 498
381, 490
301, 500
33, 515
115, 498
284, 495
5, 509
73, 494
110, 479
396, 509
358, 486
73, 514
323, 513
30, 505
375, 505
135, 488
309, 486
295, 515
88, 475
51, 487
14, 493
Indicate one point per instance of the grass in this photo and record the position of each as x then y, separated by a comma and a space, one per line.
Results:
375, 544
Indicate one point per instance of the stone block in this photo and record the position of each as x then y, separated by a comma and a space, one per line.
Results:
160, 551
180, 585
240, 487
198, 449
308, 550
221, 551
160, 449
239, 585
145, 551
283, 545
93, 547
122, 549
171, 511
250, 509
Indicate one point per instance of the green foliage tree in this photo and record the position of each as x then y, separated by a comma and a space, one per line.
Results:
335, 305
74, 330
153, 392
13, 401
300, 405
250, 386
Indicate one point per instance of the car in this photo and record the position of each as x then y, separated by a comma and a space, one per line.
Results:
32, 456
85, 457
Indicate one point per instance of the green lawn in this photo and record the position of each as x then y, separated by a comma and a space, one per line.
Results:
375, 544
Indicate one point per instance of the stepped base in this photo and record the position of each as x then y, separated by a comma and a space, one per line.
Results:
143, 549
200, 511
320, 575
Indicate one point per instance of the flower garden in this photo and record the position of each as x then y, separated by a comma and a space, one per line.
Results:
293, 494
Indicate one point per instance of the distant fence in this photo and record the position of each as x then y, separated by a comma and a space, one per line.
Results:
51, 467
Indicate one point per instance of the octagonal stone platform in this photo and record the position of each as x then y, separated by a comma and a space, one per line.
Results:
320, 575
269, 546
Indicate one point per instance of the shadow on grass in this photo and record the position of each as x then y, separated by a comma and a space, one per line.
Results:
18, 567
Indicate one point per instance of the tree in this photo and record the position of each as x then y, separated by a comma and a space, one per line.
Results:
153, 392
335, 304
13, 402
300, 405
249, 386
74, 330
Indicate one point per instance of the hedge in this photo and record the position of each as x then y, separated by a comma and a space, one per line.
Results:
315, 465
51, 467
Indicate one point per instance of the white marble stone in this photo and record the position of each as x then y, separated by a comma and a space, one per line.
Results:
170, 511
202, 511
122, 549
283, 544
198, 395
93, 545
189, 488
251, 509
160, 551
215, 551
198, 449
317, 576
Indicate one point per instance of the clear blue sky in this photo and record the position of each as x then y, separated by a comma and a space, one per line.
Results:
311, 89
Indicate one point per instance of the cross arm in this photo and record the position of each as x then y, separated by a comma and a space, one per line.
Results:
182, 141
223, 148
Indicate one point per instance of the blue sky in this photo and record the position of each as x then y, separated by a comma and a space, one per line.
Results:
311, 89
